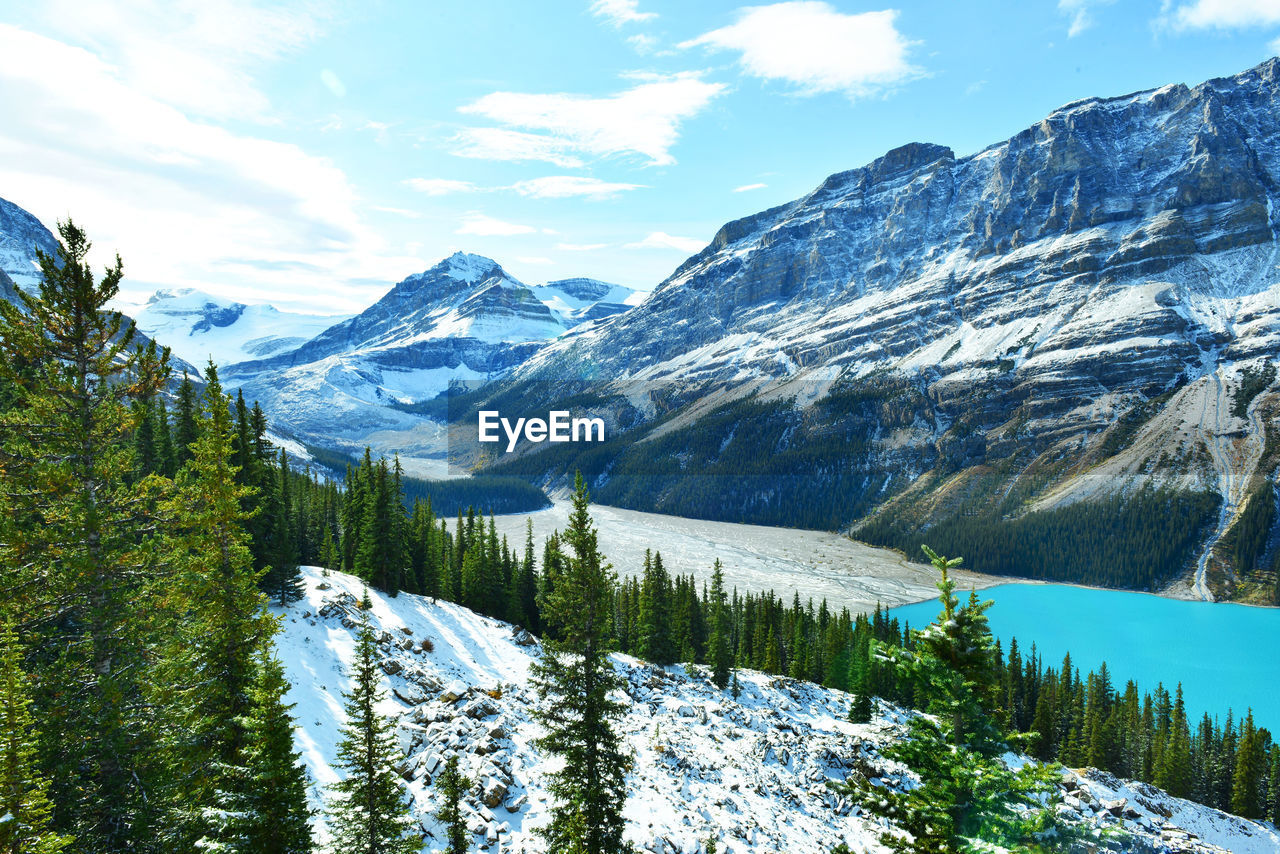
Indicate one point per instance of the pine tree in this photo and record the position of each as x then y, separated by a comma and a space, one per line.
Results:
275, 818
215, 637
718, 645
574, 678
75, 521
24, 801
452, 785
369, 814
1250, 771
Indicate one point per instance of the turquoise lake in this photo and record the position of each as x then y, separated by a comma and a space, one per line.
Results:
1224, 655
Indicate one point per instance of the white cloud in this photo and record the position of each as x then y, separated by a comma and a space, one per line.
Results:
440, 186
641, 121
501, 144
748, 187
333, 83
816, 48
642, 44
186, 203
1274, 47
580, 247
404, 212
567, 186
662, 240
197, 55
1222, 14
1081, 12
483, 225
619, 12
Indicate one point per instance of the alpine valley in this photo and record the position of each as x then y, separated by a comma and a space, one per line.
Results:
1056, 357
1064, 344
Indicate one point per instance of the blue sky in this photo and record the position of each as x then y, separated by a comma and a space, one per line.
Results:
313, 154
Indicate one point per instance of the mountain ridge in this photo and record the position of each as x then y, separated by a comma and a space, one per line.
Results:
934, 335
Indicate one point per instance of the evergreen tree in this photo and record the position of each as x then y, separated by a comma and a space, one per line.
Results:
283, 580
24, 802
718, 644
185, 426
573, 678
273, 804
452, 785
369, 814
75, 519
1250, 771
215, 637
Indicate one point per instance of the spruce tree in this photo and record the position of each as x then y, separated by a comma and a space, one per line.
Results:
574, 678
718, 644
282, 581
24, 803
452, 784
76, 519
273, 807
368, 814
185, 427
1250, 771
223, 623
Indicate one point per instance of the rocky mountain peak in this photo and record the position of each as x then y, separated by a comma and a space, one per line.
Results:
467, 267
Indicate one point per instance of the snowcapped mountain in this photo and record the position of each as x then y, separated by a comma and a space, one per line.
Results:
20, 235
1070, 313
198, 326
750, 772
358, 381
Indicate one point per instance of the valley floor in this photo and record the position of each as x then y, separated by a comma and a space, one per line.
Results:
756, 558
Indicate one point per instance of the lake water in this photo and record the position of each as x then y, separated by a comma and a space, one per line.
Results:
1224, 655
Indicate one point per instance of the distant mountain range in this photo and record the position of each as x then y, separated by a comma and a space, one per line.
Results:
198, 326
366, 379
993, 353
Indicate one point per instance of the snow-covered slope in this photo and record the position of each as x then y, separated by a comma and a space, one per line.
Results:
750, 773
21, 234
198, 326
465, 319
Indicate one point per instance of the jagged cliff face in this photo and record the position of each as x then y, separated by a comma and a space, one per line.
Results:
1024, 298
